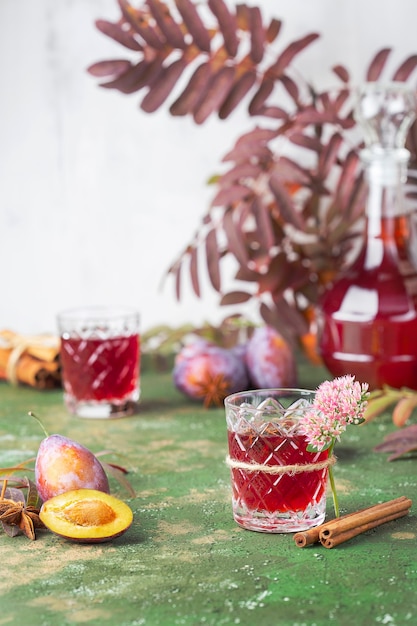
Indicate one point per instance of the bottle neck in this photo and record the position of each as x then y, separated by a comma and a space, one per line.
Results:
385, 174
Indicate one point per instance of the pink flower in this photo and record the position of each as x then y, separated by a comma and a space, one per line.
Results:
337, 404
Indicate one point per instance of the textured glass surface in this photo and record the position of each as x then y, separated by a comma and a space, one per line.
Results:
277, 485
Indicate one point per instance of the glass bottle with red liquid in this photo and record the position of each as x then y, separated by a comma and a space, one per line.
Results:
369, 315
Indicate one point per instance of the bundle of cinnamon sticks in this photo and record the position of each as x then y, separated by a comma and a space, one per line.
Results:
341, 529
30, 360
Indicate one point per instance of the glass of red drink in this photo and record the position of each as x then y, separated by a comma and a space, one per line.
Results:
100, 359
277, 485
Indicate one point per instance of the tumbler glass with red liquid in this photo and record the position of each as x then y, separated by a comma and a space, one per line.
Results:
277, 485
100, 359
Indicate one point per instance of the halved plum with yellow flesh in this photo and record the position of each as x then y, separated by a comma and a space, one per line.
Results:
86, 516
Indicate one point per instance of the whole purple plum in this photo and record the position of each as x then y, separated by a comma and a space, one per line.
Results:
192, 349
270, 360
208, 372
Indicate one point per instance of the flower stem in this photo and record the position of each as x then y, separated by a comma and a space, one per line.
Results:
333, 485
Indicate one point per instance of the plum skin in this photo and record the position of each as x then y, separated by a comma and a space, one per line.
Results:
205, 370
64, 465
270, 360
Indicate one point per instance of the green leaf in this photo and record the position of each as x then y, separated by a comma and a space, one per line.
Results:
311, 448
32, 498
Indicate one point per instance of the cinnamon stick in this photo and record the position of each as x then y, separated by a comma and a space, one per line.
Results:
338, 538
359, 519
371, 514
31, 360
310, 536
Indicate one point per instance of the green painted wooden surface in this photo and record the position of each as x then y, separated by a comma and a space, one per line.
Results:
184, 561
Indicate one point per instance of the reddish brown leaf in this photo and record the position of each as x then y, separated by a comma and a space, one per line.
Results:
227, 23
10, 530
115, 31
194, 24
341, 99
213, 259
275, 113
245, 274
355, 207
235, 238
175, 271
257, 135
109, 68
377, 65
235, 297
289, 172
166, 23
273, 317
215, 94
325, 100
342, 73
406, 69
291, 87
345, 184
252, 146
291, 318
140, 23
240, 173
265, 89
411, 143
136, 77
286, 57
239, 90
119, 474
194, 271
188, 99
249, 151
230, 195
311, 116
160, 90
242, 17
273, 30
264, 226
177, 275
306, 141
274, 279
285, 204
257, 35
399, 442
329, 155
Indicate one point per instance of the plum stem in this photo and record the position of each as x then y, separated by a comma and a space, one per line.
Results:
39, 422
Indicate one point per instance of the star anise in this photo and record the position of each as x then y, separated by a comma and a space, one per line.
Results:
213, 390
18, 515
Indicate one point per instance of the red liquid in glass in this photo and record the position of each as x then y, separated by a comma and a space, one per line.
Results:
100, 369
259, 491
369, 317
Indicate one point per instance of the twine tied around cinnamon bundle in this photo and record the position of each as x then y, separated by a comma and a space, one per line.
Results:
281, 469
39, 346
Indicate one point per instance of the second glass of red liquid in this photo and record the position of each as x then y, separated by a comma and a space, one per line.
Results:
100, 359
277, 485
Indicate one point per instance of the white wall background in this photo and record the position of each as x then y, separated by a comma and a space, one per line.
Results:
97, 198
